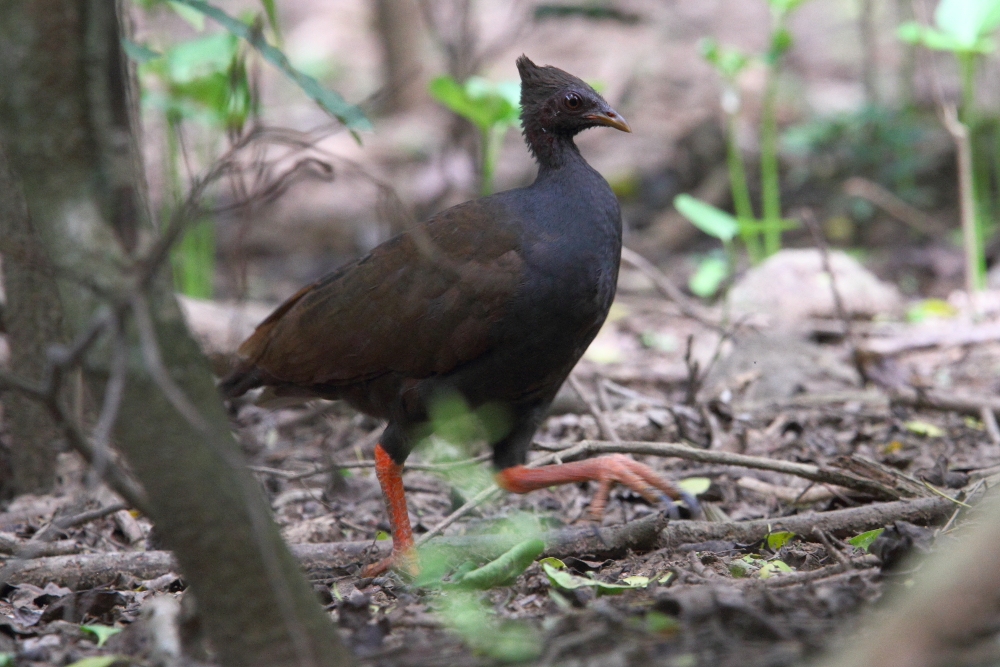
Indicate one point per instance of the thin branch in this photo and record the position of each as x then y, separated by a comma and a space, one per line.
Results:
607, 430
838, 302
666, 287
822, 474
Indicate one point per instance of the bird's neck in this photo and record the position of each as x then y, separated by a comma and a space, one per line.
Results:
553, 150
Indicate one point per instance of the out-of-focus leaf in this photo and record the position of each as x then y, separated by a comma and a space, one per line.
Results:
97, 661
771, 567
508, 641
778, 539
695, 485
865, 539
928, 309
348, 114
272, 17
195, 18
569, 581
709, 219
483, 103
504, 569
784, 6
923, 428
139, 52
708, 276
102, 632
967, 20
636, 581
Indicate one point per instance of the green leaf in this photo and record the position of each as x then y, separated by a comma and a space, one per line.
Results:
348, 114
569, 581
708, 276
740, 568
967, 20
923, 428
661, 624
636, 581
272, 16
865, 539
382, 535
482, 103
781, 41
6, 659
99, 661
695, 485
930, 309
709, 219
778, 539
770, 567
195, 18
102, 632
138, 52
784, 6
507, 640
553, 561
504, 569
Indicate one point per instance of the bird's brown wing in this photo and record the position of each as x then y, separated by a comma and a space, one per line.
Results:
418, 305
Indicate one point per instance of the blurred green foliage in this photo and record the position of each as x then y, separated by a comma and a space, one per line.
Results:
964, 28
205, 81
492, 107
760, 236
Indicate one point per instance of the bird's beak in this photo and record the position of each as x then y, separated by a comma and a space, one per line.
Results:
611, 118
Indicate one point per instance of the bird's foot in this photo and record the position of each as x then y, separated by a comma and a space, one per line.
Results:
405, 562
606, 470
640, 478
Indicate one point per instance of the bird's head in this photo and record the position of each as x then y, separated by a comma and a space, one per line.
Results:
555, 102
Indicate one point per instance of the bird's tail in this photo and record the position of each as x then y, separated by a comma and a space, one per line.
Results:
240, 380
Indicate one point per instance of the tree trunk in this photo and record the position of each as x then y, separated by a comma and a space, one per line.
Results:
67, 119
33, 320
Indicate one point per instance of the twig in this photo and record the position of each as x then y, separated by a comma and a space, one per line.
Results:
808, 496
969, 405
838, 302
89, 570
967, 200
794, 578
822, 474
990, 423
850, 521
47, 534
694, 380
607, 430
428, 467
830, 549
668, 289
488, 493
893, 205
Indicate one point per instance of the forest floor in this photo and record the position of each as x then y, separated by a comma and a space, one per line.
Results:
765, 576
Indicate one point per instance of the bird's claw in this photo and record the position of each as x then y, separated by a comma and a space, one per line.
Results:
687, 498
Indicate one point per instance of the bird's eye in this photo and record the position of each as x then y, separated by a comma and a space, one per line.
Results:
573, 101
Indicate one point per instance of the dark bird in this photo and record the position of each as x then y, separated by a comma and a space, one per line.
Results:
495, 299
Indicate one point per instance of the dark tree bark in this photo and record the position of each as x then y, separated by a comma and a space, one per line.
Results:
67, 119
33, 319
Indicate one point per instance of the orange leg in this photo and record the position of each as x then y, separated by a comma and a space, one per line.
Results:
604, 469
390, 478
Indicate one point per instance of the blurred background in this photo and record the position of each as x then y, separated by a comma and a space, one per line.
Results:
845, 92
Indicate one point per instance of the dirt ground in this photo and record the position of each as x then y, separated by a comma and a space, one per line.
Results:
697, 601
